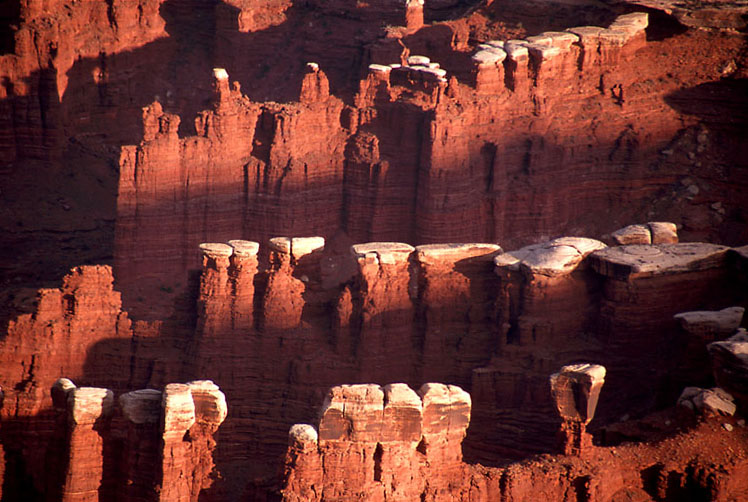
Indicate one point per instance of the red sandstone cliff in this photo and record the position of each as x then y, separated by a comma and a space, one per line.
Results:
470, 139
499, 146
275, 338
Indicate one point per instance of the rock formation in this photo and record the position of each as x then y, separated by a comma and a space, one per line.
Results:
295, 195
730, 363
364, 451
317, 166
374, 442
576, 390
167, 442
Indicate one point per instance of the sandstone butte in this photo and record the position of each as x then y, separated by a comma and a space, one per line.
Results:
402, 250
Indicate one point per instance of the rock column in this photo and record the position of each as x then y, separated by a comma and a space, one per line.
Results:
575, 390
382, 312
291, 262
142, 410
88, 412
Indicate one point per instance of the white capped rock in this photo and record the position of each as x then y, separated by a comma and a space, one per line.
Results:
643, 260
594, 372
516, 50
561, 39
179, 409
245, 248
210, 402
220, 74
663, 232
632, 234
713, 322
60, 390
87, 404
302, 246
418, 60
302, 434
489, 56
400, 394
543, 52
380, 68
383, 252
710, 402
431, 253
539, 39
557, 257
216, 249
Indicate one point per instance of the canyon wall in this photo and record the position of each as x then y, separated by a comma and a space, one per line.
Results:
515, 142
276, 337
390, 443
469, 314
133, 142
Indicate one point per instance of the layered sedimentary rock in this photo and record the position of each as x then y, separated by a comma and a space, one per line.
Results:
457, 320
373, 442
78, 330
275, 337
357, 438
547, 304
250, 162
142, 411
437, 131
191, 415
88, 412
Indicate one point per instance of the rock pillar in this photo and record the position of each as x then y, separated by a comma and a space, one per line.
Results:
88, 412
575, 390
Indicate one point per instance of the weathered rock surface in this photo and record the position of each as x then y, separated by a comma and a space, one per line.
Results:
707, 402
314, 469
559, 128
709, 14
641, 260
730, 364
652, 233
576, 390
711, 325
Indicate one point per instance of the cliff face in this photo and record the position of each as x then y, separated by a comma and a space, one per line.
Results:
495, 323
519, 140
275, 337
393, 456
130, 143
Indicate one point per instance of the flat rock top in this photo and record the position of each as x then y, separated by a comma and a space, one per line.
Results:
594, 372
401, 395
648, 260
699, 13
453, 252
724, 321
216, 249
245, 248
87, 404
296, 246
557, 257
384, 252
